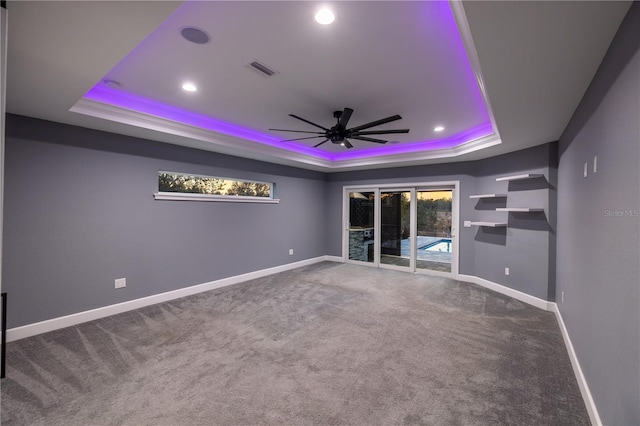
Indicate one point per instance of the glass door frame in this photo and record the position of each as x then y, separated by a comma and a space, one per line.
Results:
412, 227
347, 225
455, 215
413, 187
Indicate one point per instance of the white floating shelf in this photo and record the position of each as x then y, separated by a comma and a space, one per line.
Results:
519, 177
519, 209
490, 224
488, 196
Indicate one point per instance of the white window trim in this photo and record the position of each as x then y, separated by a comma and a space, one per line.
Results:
189, 196
183, 196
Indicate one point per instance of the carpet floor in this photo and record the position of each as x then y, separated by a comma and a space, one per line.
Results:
327, 344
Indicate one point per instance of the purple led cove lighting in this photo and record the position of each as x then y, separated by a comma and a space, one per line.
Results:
452, 34
115, 97
118, 98
447, 25
460, 139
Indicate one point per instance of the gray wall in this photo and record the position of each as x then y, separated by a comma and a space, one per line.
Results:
598, 255
524, 246
79, 213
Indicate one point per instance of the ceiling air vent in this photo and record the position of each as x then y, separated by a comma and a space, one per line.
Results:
261, 69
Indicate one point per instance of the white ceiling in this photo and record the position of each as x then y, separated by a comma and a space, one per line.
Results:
534, 61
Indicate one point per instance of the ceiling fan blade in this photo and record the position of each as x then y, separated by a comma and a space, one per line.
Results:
347, 144
299, 139
362, 138
326, 140
381, 132
344, 118
376, 123
297, 131
307, 121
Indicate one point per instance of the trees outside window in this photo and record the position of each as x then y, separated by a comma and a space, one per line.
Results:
434, 216
194, 184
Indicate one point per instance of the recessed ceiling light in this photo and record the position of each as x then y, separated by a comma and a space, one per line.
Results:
112, 84
438, 128
189, 87
325, 17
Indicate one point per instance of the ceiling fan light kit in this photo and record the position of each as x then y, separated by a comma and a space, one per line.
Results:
340, 134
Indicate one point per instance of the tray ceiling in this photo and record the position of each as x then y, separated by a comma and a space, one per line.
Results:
482, 70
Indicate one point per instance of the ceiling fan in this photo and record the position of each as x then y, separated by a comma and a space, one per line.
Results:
340, 134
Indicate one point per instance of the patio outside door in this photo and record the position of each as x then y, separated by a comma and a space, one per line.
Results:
405, 228
361, 225
395, 231
434, 242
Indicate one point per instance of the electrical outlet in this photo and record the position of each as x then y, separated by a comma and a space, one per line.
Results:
467, 224
506, 271
290, 252
121, 282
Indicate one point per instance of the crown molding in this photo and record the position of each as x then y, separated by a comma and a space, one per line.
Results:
220, 142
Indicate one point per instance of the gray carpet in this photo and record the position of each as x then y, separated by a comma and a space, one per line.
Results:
326, 344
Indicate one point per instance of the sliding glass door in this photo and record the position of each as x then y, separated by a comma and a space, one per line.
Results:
361, 226
434, 241
410, 228
395, 229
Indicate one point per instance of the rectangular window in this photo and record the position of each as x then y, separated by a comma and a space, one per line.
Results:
173, 186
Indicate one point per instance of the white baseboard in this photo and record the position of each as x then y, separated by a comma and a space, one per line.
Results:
338, 259
577, 370
518, 295
553, 307
93, 314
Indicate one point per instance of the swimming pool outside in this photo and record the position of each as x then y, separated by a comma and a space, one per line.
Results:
444, 245
421, 254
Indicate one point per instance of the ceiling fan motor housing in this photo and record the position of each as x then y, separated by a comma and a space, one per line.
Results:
336, 138
339, 134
